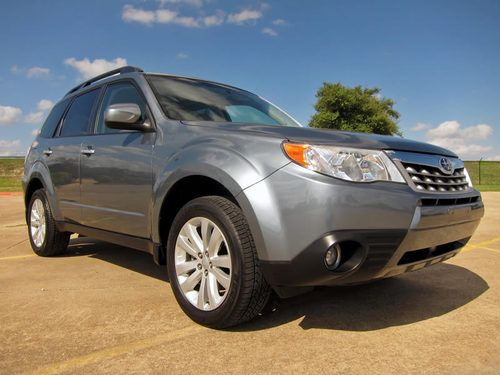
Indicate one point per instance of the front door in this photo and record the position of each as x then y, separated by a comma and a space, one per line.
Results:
116, 170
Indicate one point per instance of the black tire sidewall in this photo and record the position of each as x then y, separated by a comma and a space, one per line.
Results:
202, 207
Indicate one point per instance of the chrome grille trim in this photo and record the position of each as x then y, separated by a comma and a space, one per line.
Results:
424, 172
426, 178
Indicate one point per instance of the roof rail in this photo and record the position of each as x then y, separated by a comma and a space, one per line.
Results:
122, 70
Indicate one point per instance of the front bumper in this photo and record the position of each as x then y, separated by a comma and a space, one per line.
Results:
296, 215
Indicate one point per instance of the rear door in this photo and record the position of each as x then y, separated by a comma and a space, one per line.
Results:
62, 154
116, 172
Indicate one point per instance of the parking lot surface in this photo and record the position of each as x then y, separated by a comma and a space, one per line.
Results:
102, 308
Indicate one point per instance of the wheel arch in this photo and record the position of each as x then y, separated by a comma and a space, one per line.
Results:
39, 177
182, 191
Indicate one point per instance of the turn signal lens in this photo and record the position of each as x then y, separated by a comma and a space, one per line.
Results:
296, 152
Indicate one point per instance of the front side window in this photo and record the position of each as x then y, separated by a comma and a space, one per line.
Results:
118, 93
77, 120
186, 99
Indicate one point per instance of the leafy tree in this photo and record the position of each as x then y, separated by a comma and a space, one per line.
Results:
358, 109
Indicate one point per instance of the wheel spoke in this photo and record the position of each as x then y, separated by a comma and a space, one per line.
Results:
215, 242
221, 261
38, 236
202, 293
193, 280
185, 267
186, 246
222, 277
39, 209
205, 233
212, 290
194, 237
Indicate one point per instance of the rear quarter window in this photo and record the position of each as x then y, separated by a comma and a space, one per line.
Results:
50, 125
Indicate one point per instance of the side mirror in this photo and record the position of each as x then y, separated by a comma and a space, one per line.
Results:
125, 116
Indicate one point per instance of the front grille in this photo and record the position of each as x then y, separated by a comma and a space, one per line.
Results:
429, 202
430, 252
427, 178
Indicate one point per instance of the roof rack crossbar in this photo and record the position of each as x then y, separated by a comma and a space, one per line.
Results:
122, 70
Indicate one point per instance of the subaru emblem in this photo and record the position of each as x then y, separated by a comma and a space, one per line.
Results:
446, 165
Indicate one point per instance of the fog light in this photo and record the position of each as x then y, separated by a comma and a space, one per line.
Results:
332, 257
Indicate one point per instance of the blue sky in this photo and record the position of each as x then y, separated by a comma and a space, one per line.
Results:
439, 60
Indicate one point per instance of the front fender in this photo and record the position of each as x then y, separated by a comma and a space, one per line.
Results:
227, 166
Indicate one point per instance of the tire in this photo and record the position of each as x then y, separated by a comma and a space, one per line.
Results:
248, 291
53, 242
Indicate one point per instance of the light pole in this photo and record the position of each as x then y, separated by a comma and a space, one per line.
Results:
480, 160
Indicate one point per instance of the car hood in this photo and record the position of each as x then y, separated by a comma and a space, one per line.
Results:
330, 137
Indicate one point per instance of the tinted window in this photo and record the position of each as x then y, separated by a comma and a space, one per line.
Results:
118, 93
76, 121
188, 99
50, 124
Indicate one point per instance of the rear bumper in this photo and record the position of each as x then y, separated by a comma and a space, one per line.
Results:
395, 229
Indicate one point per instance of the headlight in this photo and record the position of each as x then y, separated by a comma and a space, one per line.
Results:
351, 164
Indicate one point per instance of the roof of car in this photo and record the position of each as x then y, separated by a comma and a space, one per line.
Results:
134, 69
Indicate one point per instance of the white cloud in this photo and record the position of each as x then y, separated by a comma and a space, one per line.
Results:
37, 72
33, 72
493, 158
89, 69
35, 132
167, 16
131, 14
9, 115
164, 16
463, 141
269, 31
10, 148
246, 15
186, 21
38, 116
214, 20
34, 117
45, 105
196, 3
279, 22
420, 126
181, 56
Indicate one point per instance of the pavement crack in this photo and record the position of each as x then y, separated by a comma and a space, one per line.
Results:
18, 243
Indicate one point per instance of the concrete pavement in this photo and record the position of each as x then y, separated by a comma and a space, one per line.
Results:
102, 308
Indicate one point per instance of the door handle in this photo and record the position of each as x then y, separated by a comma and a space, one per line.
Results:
47, 152
88, 151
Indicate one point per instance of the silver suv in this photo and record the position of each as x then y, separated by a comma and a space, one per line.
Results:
234, 196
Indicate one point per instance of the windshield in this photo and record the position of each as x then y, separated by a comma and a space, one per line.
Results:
186, 99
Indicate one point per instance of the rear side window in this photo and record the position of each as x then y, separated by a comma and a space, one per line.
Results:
50, 124
77, 120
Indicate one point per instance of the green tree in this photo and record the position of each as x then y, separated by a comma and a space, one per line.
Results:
358, 109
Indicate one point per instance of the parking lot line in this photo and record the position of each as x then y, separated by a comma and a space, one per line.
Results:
490, 249
17, 257
469, 247
115, 351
